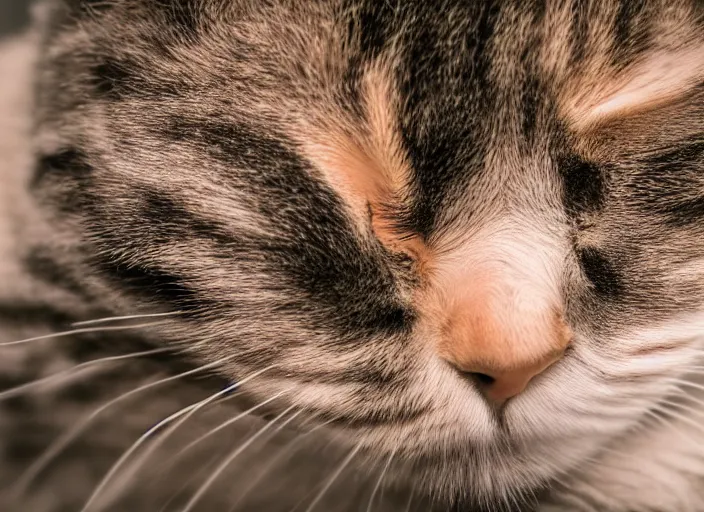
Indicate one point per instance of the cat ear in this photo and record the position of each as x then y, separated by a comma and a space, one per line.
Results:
657, 80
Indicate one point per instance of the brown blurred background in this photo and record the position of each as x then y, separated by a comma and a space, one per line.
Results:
14, 16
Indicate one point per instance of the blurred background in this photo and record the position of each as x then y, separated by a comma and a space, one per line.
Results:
14, 16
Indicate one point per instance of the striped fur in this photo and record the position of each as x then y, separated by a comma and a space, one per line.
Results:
310, 186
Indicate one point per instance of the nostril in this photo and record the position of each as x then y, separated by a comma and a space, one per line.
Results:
483, 378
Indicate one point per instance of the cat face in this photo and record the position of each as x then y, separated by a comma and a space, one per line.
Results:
471, 239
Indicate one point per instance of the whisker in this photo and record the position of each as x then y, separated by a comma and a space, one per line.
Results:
195, 476
334, 477
381, 477
125, 317
284, 451
690, 409
218, 428
666, 418
18, 390
62, 442
186, 410
305, 499
283, 425
139, 462
563, 480
209, 482
636, 470
576, 497
85, 330
410, 501
512, 497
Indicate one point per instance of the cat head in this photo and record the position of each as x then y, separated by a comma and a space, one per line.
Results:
467, 234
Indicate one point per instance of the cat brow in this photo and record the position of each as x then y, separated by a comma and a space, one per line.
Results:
654, 82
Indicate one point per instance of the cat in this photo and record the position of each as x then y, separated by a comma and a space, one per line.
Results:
346, 255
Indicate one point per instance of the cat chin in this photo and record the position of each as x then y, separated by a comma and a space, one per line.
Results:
472, 472
476, 476
461, 446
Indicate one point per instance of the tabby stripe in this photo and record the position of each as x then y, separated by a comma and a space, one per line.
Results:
601, 272
533, 92
182, 16
170, 219
631, 34
676, 174
301, 253
367, 375
150, 282
34, 314
43, 267
584, 184
580, 30
112, 78
64, 162
445, 154
88, 8
681, 158
684, 213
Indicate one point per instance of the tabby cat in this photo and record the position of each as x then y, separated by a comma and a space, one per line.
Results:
353, 255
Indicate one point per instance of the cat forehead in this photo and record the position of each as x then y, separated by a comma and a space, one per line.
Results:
431, 126
443, 98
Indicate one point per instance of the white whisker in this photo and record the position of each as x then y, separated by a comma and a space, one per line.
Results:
334, 477
584, 505
283, 452
220, 427
410, 501
283, 425
138, 462
85, 330
622, 455
512, 497
125, 317
206, 485
195, 476
185, 411
74, 370
378, 483
694, 408
62, 442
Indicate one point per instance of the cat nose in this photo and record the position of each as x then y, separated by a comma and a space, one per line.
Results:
498, 385
504, 347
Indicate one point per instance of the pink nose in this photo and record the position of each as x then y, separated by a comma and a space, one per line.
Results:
498, 386
502, 346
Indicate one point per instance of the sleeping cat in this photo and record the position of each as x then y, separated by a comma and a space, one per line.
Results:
348, 255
